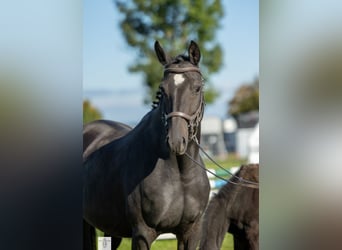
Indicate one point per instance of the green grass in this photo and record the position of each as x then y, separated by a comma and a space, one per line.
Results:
171, 244
232, 161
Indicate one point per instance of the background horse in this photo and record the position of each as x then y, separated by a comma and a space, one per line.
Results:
235, 209
142, 184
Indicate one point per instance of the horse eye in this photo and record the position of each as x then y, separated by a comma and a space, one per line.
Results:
198, 89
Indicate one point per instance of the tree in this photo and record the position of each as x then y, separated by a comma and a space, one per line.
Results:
246, 99
173, 23
90, 113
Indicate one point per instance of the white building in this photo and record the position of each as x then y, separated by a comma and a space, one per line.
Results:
253, 146
212, 136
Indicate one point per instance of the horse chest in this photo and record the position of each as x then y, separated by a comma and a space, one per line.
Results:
161, 204
170, 203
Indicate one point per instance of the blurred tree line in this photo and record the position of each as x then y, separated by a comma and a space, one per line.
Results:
90, 113
245, 99
173, 23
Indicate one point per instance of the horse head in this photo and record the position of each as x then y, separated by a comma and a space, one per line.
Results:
182, 91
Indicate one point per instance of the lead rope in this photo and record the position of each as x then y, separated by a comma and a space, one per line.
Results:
227, 171
219, 177
247, 183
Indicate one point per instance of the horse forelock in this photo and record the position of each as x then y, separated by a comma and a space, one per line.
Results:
179, 61
180, 58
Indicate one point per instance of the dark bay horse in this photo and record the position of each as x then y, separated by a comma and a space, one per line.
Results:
142, 184
235, 209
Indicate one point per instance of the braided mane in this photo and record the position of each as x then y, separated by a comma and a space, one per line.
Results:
159, 94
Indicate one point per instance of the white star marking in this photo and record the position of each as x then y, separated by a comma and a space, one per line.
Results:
179, 79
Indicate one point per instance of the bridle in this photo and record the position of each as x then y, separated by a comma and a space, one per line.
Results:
194, 119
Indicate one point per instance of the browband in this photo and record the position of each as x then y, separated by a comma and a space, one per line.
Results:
182, 70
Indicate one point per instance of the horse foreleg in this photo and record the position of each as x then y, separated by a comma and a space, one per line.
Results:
89, 242
215, 227
240, 242
115, 241
142, 238
252, 233
189, 240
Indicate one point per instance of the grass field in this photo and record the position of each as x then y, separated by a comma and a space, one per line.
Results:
232, 161
171, 244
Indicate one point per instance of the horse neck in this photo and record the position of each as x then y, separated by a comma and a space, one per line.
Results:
149, 131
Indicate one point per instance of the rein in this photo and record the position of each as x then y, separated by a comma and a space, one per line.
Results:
241, 181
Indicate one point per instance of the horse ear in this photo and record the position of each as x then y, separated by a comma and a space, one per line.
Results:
162, 57
194, 53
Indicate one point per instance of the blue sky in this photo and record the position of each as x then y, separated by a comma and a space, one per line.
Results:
119, 94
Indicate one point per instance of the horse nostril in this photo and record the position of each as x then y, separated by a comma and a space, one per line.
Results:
184, 141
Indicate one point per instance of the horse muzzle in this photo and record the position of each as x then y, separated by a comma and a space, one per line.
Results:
178, 146
177, 137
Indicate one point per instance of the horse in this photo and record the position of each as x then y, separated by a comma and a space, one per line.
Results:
235, 209
145, 182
